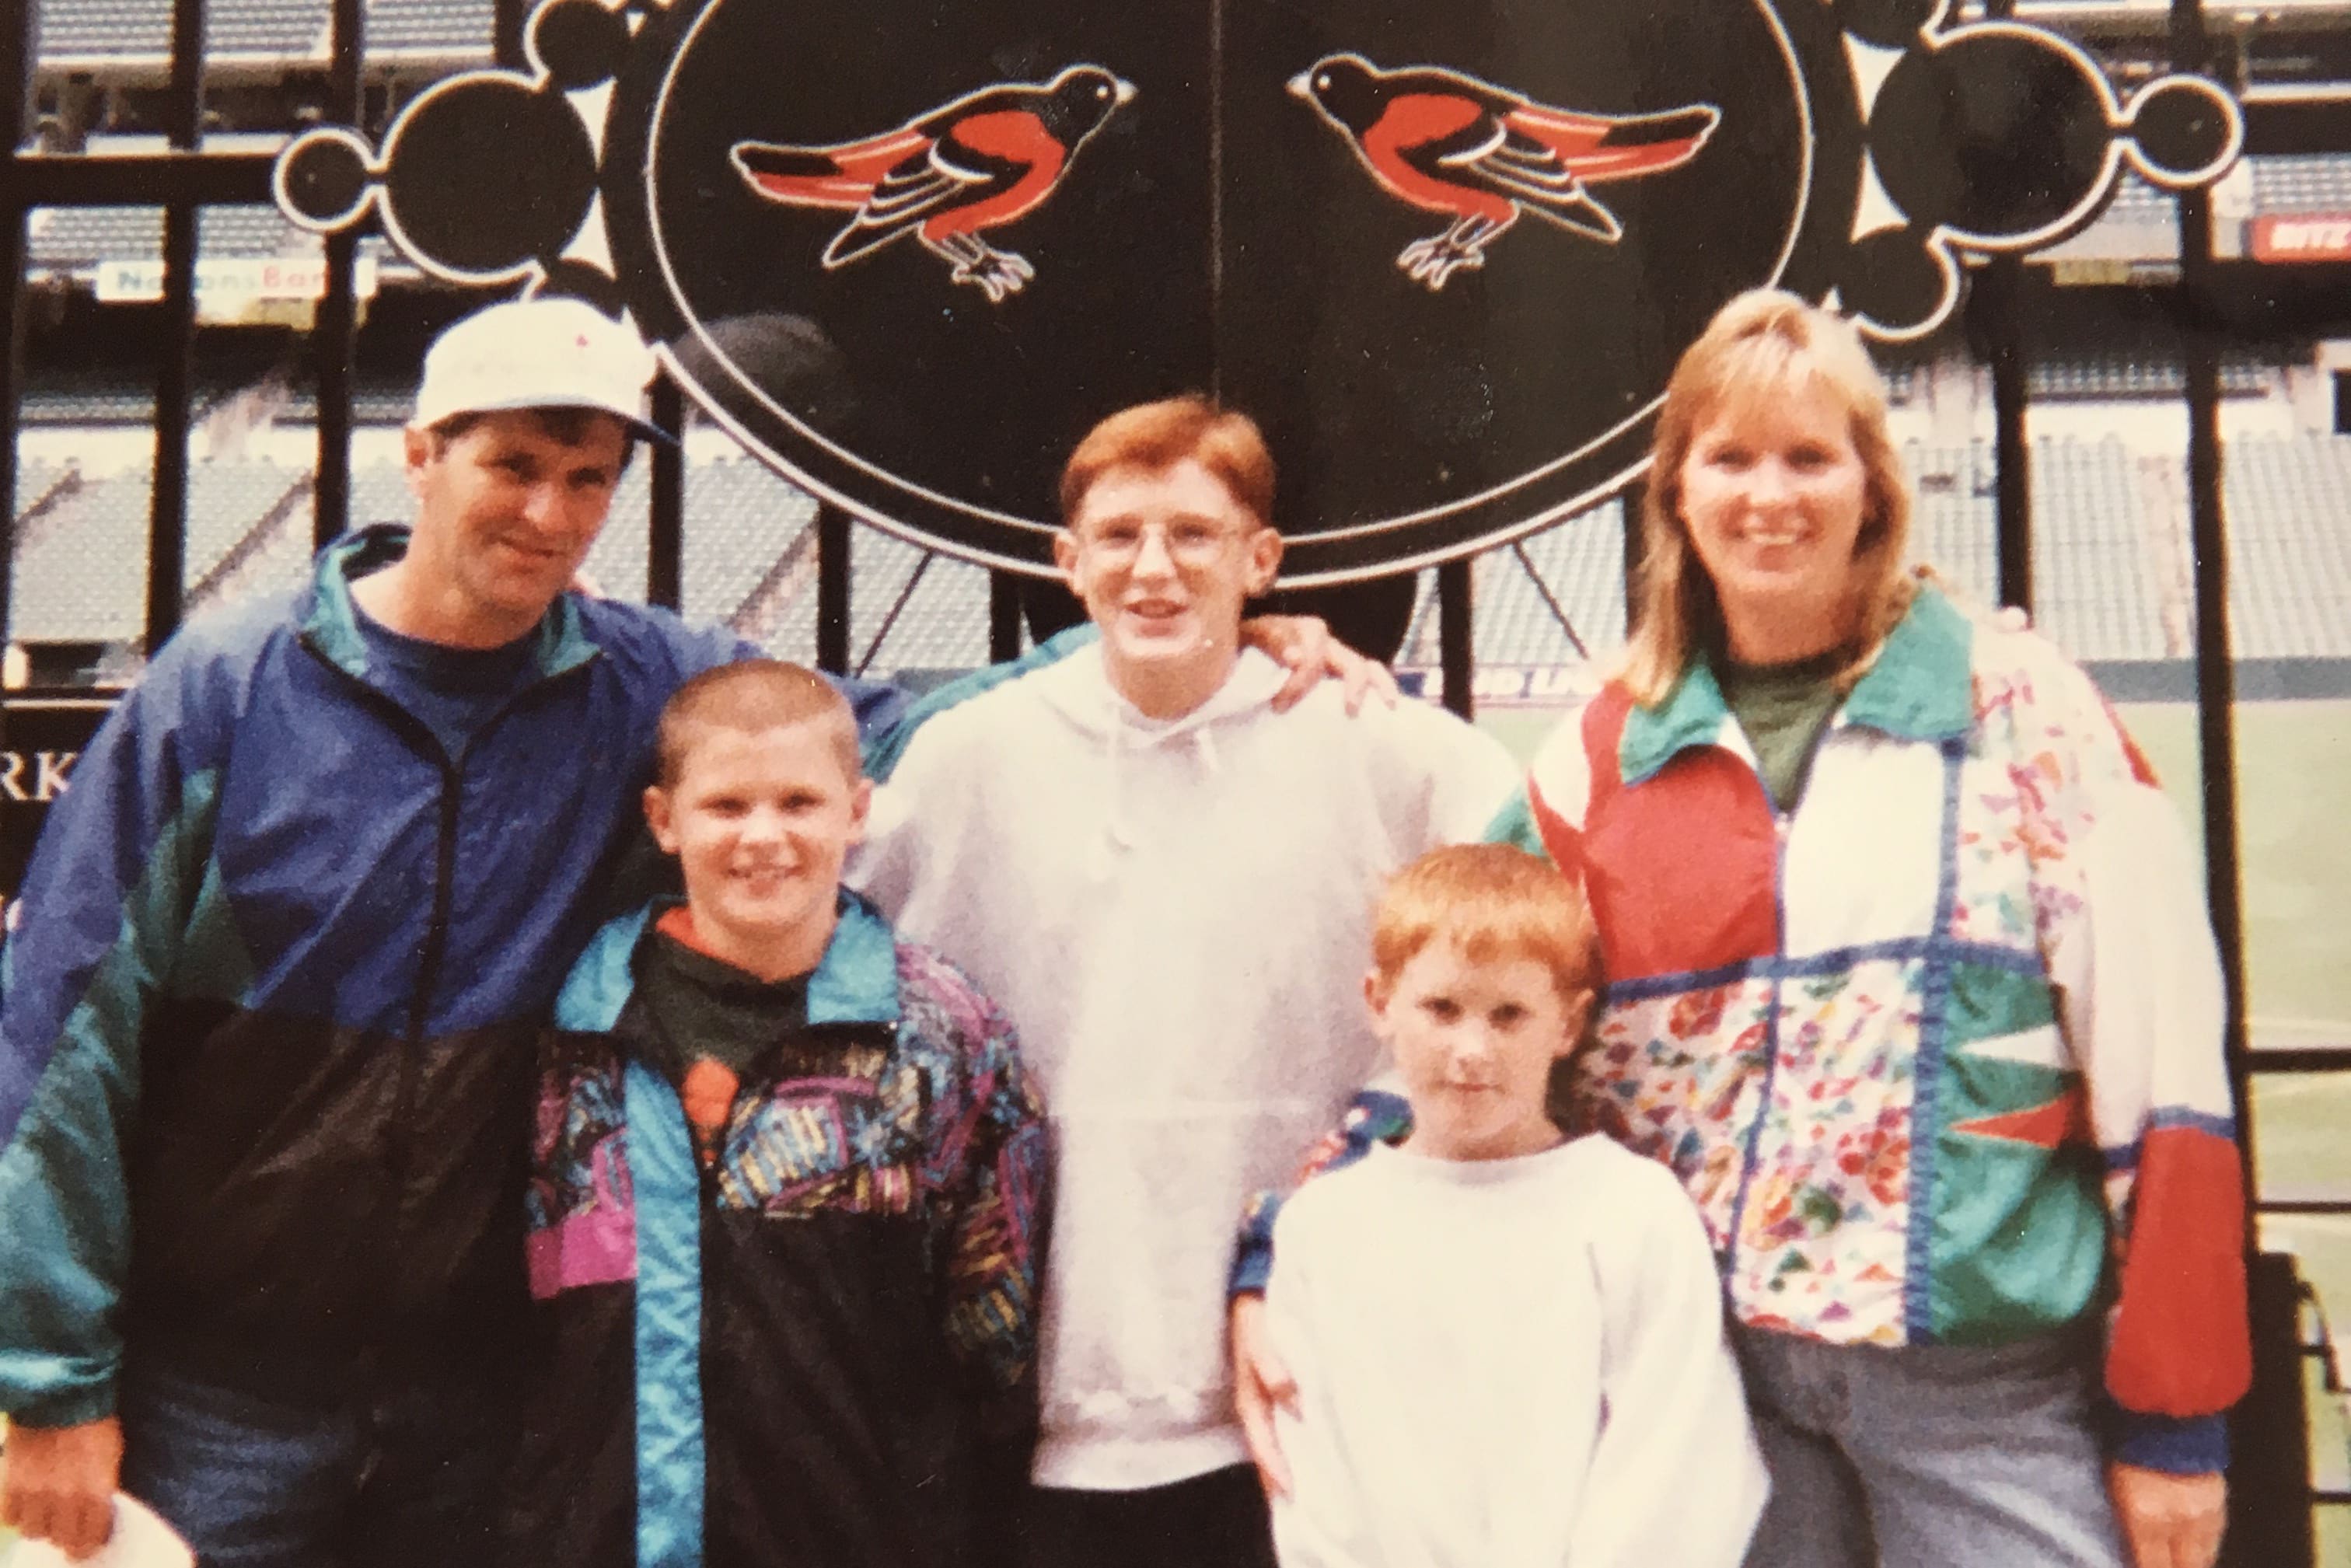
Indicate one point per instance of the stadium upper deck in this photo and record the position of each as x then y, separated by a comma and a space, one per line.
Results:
127, 36
2112, 510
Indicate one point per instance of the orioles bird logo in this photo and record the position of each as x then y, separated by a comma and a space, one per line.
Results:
988, 159
1450, 143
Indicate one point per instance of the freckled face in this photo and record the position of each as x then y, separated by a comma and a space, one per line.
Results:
1474, 1044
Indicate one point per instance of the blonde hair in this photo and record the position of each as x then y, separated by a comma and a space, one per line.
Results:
1493, 902
748, 696
1764, 345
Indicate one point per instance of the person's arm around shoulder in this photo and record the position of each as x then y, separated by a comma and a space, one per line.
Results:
882, 708
1676, 1475
95, 937
886, 744
1302, 645
1306, 647
1260, 1381
2124, 931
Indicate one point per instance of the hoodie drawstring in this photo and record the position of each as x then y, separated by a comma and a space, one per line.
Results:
1114, 824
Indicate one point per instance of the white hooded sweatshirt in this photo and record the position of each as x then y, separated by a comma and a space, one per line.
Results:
1175, 916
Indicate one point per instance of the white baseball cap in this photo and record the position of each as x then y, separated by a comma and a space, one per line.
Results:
549, 352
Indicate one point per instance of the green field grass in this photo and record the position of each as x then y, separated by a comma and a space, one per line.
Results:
2294, 843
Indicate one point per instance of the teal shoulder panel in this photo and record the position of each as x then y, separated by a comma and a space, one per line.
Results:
856, 980
671, 1455
1693, 714
65, 1250
601, 979
1920, 685
1515, 824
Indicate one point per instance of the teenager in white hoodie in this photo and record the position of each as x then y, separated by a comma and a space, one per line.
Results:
1167, 886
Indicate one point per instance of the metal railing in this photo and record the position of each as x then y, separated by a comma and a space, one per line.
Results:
2213, 303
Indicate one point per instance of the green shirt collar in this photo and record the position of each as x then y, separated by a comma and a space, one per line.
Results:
1919, 688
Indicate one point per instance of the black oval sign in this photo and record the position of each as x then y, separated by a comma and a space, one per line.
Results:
1445, 262
1446, 254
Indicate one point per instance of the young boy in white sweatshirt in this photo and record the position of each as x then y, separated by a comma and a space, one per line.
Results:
1167, 884
1507, 1345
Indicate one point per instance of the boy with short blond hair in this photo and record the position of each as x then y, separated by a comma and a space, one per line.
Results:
786, 1185
1507, 1345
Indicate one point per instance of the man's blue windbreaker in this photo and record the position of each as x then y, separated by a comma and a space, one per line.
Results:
271, 989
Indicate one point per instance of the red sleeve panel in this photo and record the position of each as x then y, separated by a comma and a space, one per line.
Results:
2182, 1343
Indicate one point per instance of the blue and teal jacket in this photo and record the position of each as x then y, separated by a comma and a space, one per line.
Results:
816, 1345
271, 989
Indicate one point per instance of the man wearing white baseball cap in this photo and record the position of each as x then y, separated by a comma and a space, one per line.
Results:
281, 956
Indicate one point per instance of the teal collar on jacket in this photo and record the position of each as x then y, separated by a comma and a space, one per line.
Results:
330, 623
1920, 687
856, 981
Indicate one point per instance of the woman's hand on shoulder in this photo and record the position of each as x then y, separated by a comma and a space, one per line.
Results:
2170, 1520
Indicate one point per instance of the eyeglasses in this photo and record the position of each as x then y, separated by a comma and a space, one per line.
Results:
1187, 542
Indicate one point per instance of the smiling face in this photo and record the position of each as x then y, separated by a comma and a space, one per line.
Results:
506, 512
1474, 1043
1164, 561
760, 822
1773, 495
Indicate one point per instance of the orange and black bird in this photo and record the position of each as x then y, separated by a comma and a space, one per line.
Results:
985, 160
1483, 154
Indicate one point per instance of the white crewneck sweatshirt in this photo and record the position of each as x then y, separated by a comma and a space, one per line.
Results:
1506, 1364
1175, 916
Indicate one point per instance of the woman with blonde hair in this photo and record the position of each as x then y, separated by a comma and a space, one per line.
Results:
1909, 978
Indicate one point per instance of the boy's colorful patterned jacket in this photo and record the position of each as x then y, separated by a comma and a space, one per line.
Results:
820, 1350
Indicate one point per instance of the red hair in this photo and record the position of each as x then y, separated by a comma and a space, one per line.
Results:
1155, 437
1495, 903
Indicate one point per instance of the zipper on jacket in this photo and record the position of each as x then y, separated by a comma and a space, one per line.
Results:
437, 931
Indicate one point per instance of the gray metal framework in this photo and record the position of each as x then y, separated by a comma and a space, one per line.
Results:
2213, 304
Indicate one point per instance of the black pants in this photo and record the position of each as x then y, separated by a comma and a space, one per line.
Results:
1216, 1521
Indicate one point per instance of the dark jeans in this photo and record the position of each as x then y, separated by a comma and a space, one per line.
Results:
409, 1475
1216, 1521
